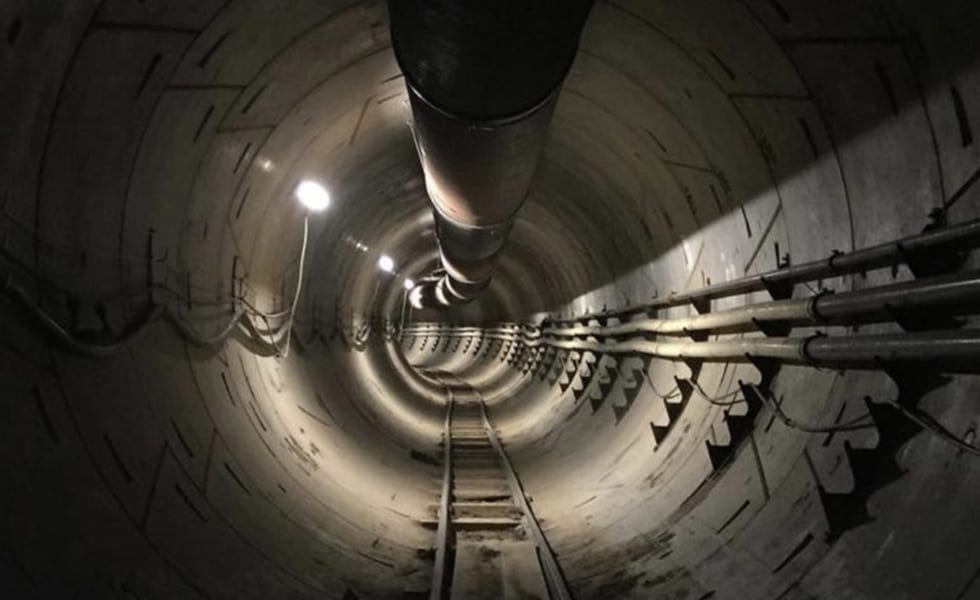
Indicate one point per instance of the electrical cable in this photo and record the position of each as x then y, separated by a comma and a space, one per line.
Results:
852, 425
920, 418
156, 313
195, 337
99, 350
278, 338
721, 400
299, 286
269, 333
929, 423
258, 312
673, 393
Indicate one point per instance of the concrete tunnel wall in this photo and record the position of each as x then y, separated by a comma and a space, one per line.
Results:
151, 152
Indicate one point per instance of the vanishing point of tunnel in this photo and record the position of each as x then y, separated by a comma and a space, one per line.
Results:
472, 299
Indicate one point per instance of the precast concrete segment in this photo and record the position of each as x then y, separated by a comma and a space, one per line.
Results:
151, 154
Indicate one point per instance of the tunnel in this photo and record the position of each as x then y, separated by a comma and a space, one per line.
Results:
728, 351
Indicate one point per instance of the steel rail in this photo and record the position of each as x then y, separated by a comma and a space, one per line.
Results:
439, 582
549, 564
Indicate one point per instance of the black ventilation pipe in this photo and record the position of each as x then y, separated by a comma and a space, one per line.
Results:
483, 78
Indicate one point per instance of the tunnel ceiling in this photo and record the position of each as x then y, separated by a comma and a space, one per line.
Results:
162, 440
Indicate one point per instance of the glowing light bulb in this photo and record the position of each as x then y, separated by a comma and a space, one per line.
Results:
312, 195
385, 263
409, 284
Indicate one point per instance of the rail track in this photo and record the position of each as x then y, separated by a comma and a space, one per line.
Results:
489, 544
